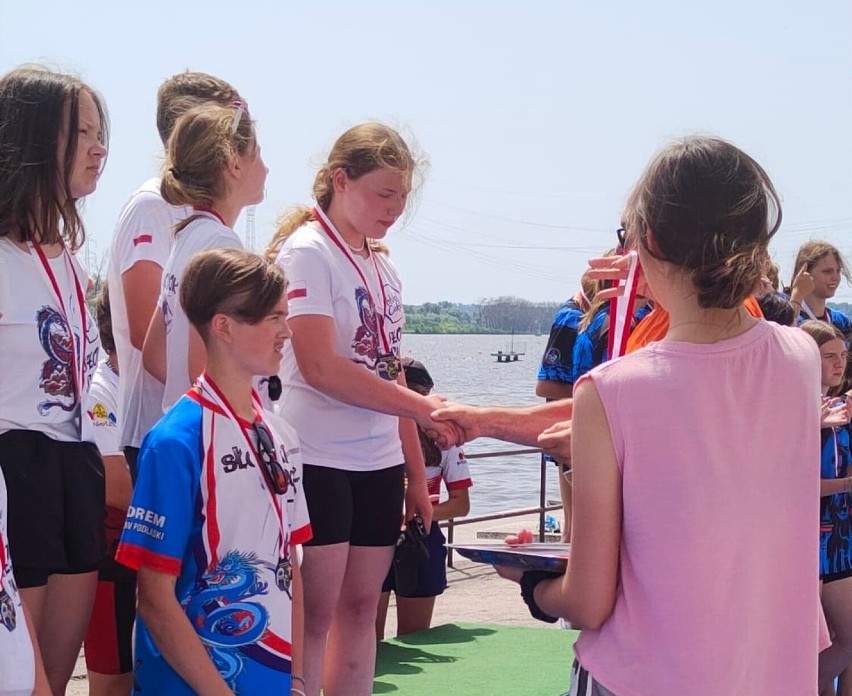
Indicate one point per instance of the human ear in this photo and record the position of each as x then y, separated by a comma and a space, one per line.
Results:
220, 326
339, 180
234, 167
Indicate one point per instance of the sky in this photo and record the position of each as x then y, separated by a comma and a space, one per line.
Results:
536, 117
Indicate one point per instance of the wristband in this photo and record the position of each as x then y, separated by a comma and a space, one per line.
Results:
529, 580
298, 692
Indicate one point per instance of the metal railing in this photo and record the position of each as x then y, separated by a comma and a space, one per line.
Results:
541, 509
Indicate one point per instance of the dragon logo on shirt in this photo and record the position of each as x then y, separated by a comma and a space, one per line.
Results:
222, 614
170, 285
8, 616
56, 379
366, 341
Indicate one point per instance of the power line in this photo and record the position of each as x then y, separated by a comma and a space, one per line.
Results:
515, 221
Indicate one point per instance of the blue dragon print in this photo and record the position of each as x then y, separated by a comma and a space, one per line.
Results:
223, 618
56, 377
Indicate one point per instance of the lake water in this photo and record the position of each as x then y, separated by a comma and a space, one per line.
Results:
464, 370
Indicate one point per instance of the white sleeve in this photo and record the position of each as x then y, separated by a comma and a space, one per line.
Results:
455, 469
309, 281
144, 232
102, 412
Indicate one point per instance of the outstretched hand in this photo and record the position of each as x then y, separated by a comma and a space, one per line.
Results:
464, 421
444, 434
556, 441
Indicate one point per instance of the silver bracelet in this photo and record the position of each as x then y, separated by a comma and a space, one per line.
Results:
294, 690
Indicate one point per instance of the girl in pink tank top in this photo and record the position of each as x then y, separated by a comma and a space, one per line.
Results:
695, 459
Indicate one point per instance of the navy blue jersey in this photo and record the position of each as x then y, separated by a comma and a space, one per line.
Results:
835, 530
558, 359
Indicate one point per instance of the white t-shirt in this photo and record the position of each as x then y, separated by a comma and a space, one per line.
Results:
17, 663
144, 232
322, 281
39, 347
102, 409
205, 232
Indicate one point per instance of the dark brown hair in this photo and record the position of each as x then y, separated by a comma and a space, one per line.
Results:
360, 150
34, 175
104, 319
201, 146
242, 285
181, 92
705, 206
777, 308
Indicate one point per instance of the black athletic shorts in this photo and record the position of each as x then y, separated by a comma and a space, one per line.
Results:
363, 508
827, 578
131, 456
56, 505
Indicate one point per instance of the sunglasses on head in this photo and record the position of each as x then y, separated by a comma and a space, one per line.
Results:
273, 471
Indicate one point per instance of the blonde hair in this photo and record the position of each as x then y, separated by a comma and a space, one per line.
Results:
204, 141
591, 288
360, 150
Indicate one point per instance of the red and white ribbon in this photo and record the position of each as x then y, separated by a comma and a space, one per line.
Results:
621, 309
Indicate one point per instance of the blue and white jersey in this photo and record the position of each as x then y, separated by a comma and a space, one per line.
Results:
17, 661
206, 515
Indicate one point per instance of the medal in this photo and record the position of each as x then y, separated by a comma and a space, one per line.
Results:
284, 574
388, 366
8, 616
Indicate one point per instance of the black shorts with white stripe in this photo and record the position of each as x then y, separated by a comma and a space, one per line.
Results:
583, 684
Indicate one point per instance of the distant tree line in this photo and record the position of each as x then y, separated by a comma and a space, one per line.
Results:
491, 315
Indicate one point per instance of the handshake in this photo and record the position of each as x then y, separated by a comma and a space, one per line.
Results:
547, 426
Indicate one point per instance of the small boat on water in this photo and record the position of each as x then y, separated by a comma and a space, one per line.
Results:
510, 354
